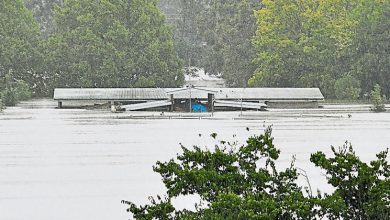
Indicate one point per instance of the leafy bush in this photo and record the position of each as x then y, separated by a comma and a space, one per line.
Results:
23, 91
376, 99
244, 183
347, 87
14, 90
9, 97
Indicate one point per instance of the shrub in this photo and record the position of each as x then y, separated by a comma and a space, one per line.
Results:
9, 97
376, 99
14, 90
23, 91
347, 87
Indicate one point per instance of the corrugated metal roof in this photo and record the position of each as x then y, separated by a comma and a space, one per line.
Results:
110, 94
250, 93
270, 93
185, 93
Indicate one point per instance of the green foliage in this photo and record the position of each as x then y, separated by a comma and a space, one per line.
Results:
111, 43
362, 190
319, 43
43, 12
232, 183
216, 35
347, 87
14, 90
243, 182
120, 43
9, 97
302, 43
19, 37
23, 91
9, 92
235, 25
143, 82
369, 54
188, 29
2, 107
376, 99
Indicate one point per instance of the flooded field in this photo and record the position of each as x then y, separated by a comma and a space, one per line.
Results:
78, 164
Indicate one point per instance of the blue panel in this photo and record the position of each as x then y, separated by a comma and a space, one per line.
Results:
197, 107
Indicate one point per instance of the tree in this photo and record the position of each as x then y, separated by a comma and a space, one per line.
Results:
14, 90
19, 37
231, 39
187, 29
9, 97
347, 87
216, 35
231, 183
376, 99
362, 190
243, 182
111, 43
370, 52
303, 43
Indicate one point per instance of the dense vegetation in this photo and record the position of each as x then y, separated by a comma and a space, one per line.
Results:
43, 11
111, 44
342, 47
108, 43
216, 35
243, 182
19, 55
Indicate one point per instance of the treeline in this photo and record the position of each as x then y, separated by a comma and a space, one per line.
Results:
107, 43
342, 47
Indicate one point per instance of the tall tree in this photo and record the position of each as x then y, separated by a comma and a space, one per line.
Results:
216, 35
188, 31
19, 40
112, 43
231, 40
303, 43
370, 53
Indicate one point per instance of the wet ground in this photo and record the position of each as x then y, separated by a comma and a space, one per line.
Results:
79, 164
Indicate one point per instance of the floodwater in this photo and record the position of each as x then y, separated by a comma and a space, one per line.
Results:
79, 164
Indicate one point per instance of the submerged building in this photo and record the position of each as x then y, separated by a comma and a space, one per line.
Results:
191, 98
